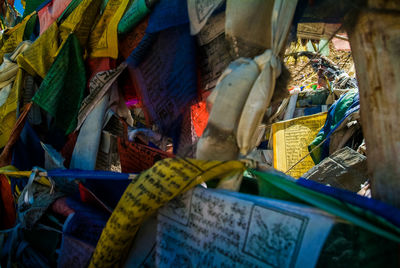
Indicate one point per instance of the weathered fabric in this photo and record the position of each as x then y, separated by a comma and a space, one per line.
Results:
62, 90
262, 91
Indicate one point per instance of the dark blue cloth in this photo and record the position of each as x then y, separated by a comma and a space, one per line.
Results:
168, 78
384, 210
108, 186
81, 229
87, 223
166, 14
28, 151
312, 110
108, 191
167, 95
27, 154
88, 174
142, 50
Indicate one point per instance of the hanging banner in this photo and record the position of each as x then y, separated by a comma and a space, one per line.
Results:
10, 94
259, 99
167, 14
199, 116
7, 205
38, 59
6, 154
248, 26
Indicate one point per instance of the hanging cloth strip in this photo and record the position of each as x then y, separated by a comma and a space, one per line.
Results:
261, 93
69, 173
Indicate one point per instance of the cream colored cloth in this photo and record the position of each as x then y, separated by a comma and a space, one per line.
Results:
261, 93
249, 21
245, 89
218, 141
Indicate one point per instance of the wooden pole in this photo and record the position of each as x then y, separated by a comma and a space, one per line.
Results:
375, 43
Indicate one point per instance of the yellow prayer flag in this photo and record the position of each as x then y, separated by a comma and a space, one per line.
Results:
290, 143
80, 21
14, 172
39, 57
12, 37
6, 125
104, 37
8, 111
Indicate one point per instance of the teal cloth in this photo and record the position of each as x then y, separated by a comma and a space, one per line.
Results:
133, 15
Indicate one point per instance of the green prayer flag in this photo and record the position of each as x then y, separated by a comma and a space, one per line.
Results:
62, 89
32, 5
30, 27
